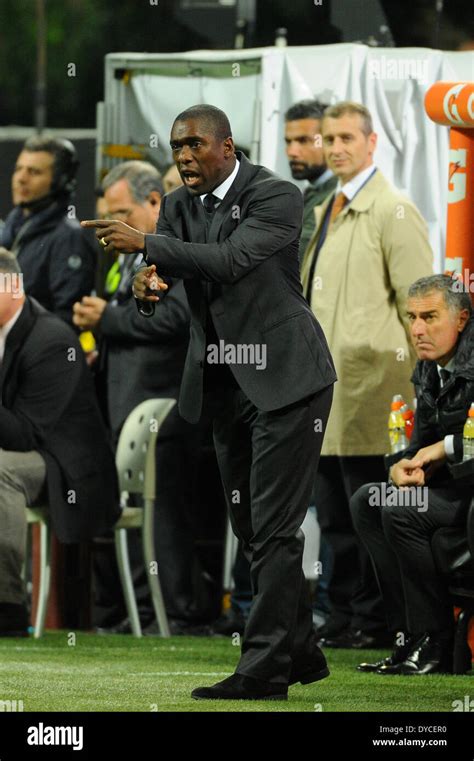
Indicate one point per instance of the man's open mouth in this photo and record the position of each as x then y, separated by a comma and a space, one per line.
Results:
190, 178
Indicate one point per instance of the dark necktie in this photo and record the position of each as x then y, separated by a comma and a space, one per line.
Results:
445, 376
210, 203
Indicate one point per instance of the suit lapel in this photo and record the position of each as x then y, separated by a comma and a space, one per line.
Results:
15, 339
312, 245
244, 175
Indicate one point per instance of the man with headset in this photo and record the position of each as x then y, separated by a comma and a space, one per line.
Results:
55, 256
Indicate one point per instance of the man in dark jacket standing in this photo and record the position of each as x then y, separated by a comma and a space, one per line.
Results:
52, 440
55, 256
396, 523
259, 360
304, 148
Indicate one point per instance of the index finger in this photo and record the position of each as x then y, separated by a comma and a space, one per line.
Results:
95, 223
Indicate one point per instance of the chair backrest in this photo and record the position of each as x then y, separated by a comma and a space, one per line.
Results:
135, 457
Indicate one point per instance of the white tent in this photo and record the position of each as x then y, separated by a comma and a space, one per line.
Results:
144, 92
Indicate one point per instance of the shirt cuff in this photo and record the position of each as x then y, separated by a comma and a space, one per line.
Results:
449, 447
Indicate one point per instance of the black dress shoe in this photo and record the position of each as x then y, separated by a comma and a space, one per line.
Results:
310, 667
232, 622
390, 664
240, 687
179, 627
14, 621
431, 654
125, 626
330, 629
358, 640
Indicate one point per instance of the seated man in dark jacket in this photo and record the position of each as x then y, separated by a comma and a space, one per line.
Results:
53, 444
56, 258
396, 523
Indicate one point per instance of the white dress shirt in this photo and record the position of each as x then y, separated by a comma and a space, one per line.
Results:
222, 189
351, 188
323, 178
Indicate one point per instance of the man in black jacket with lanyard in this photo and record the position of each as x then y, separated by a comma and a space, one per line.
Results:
258, 359
396, 523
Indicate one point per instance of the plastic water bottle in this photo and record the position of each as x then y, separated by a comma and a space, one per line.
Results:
396, 426
409, 418
468, 436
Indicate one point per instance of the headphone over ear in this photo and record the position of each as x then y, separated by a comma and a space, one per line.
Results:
66, 166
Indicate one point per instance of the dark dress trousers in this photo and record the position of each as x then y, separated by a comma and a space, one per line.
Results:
49, 405
241, 276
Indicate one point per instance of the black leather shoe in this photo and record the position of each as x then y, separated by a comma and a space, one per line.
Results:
358, 640
179, 627
431, 654
309, 668
329, 630
239, 687
228, 624
14, 621
123, 627
391, 664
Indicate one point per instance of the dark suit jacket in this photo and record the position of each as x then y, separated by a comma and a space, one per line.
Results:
48, 405
251, 258
144, 358
313, 197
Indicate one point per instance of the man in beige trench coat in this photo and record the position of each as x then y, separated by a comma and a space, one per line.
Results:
369, 245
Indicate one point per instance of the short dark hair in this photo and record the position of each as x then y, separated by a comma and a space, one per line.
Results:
142, 177
8, 261
351, 107
306, 109
455, 294
65, 160
215, 119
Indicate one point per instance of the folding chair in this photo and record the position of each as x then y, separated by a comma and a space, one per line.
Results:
40, 516
135, 461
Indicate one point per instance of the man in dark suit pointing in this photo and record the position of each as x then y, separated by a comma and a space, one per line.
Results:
259, 361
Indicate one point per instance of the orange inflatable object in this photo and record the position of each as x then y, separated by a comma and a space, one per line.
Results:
452, 104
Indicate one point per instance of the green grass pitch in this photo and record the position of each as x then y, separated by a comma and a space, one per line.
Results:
87, 672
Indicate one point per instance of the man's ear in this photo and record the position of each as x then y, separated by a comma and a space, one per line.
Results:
229, 147
373, 142
463, 318
154, 198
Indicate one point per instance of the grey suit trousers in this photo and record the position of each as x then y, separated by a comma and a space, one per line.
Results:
22, 477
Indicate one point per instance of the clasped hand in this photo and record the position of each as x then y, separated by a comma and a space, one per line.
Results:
407, 472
